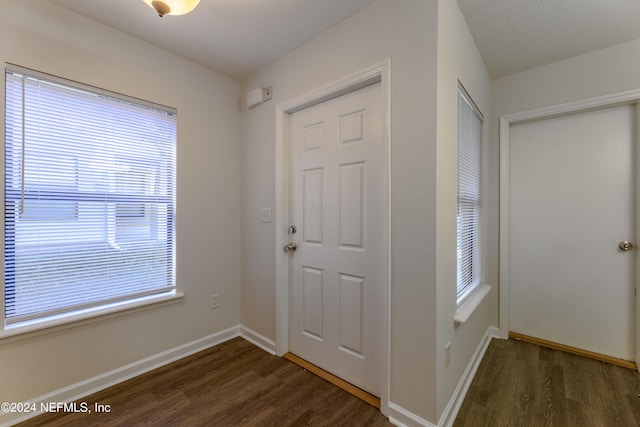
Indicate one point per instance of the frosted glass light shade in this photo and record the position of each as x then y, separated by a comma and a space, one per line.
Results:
172, 7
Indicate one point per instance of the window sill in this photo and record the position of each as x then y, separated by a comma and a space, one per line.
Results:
57, 323
470, 304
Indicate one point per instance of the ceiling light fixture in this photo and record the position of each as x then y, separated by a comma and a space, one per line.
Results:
172, 7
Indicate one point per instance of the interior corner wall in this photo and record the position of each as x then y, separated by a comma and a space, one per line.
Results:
43, 36
405, 32
458, 60
603, 72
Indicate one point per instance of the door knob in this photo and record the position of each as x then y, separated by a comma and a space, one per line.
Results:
625, 246
291, 247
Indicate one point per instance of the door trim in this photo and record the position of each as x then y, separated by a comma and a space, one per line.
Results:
623, 98
377, 73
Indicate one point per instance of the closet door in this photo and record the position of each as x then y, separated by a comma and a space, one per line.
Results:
571, 208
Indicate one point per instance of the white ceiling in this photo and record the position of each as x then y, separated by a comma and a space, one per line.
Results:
234, 37
515, 35
237, 37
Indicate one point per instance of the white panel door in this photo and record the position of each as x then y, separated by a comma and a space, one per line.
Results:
571, 201
337, 206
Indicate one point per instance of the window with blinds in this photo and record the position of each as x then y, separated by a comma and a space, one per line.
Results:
469, 195
89, 215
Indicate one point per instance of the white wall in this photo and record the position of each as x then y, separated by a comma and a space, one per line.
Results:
458, 59
48, 38
602, 72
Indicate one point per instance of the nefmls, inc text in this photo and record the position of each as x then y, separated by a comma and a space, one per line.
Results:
74, 407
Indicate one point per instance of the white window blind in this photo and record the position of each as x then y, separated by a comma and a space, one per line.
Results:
469, 194
89, 197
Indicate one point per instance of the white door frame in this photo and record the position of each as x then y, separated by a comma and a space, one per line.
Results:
378, 73
630, 98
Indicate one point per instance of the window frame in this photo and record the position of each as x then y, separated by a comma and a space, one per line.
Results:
105, 307
477, 263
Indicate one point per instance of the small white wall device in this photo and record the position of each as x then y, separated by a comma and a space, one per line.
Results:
258, 95
254, 97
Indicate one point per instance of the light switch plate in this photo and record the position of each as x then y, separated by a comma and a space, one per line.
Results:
265, 215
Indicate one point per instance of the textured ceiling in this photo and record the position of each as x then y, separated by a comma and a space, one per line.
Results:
515, 35
234, 37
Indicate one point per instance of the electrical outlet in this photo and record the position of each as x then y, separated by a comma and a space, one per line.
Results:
447, 354
215, 301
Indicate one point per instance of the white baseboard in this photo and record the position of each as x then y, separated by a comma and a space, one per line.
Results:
261, 341
92, 385
400, 417
451, 411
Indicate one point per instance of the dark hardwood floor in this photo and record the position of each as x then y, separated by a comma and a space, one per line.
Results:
237, 384
232, 384
522, 384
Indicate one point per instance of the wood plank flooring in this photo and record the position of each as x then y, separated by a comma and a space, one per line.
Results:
232, 384
522, 384
238, 384
337, 381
